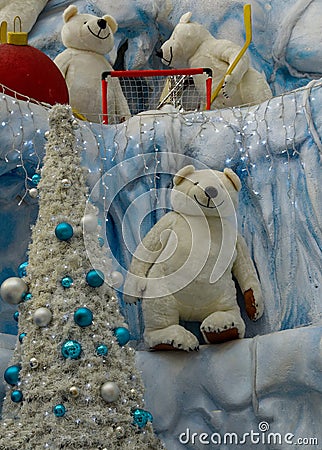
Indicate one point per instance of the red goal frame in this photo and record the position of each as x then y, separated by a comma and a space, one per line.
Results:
151, 73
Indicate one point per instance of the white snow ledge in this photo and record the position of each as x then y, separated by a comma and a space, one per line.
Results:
236, 388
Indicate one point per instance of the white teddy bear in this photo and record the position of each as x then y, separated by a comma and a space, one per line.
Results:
191, 45
88, 38
183, 267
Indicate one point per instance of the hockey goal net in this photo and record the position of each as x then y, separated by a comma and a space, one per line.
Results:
147, 90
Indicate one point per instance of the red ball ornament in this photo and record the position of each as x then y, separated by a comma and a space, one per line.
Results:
29, 72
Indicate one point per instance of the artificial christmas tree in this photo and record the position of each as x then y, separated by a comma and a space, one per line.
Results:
73, 382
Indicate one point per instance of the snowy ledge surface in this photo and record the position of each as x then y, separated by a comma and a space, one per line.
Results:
233, 389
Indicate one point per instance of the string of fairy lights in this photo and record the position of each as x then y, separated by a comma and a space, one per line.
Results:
250, 130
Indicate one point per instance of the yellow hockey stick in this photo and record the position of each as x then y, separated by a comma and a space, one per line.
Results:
248, 40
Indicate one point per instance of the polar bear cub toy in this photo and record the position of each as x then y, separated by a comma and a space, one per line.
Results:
88, 38
183, 267
191, 45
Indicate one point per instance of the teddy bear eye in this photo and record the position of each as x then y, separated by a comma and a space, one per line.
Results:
85, 23
197, 182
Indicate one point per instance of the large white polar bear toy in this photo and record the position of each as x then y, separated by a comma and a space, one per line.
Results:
88, 38
191, 45
183, 267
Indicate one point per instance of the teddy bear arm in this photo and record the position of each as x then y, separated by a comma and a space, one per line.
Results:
228, 54
151, 246
244, 269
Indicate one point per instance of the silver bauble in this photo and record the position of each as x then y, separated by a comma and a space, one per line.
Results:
33, 192
33, 363
89, 222
116, 279
110, 392
42, 317
13, 290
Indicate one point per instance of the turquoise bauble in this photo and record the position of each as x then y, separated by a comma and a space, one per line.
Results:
27, 297
102, 350
83, 317
71, 349
22, 269
35, 179
122, 335
95, 278
141, 417
59, 410
66, 282
16, 316
64, 231
16, 396
11, 375
21, 336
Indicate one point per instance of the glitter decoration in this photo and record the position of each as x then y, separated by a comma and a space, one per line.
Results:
71, 349
11, 374
141, 417
122, 335
16, 396
35, 179
22, 269
66, 282
102, 350
95, 278
64, 231
83, 317
59, 410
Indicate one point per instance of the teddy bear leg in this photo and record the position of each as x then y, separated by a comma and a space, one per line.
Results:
222, 326
162, 329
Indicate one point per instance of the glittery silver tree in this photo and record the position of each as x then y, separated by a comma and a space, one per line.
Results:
72, 383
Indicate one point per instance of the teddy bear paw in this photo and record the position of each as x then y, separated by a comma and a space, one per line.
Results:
174, 337
222, 326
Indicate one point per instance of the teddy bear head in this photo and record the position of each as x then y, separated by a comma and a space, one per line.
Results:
183, 42
88, 32
205, 192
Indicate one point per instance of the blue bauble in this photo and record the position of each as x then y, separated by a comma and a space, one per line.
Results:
16, 316
59, 410
22, 269
95, 278
102, 350
21, 336
64, 231
16, 396
101, 241
83, 317
122, 335
11, 375
35, 179
71, 349
141, 417
66, 282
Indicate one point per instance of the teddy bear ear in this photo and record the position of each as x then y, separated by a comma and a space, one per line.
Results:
230, 174
186, 17
182, 174
111, 22
70, 12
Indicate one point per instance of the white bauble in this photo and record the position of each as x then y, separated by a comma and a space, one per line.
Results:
110, 392
116, 279
13, 290
42, 317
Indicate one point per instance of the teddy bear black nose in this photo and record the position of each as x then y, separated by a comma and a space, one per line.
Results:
211, 192
101, 23
159, 53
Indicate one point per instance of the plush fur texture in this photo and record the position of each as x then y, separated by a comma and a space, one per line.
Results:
191, 45
183, 267
88, 38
